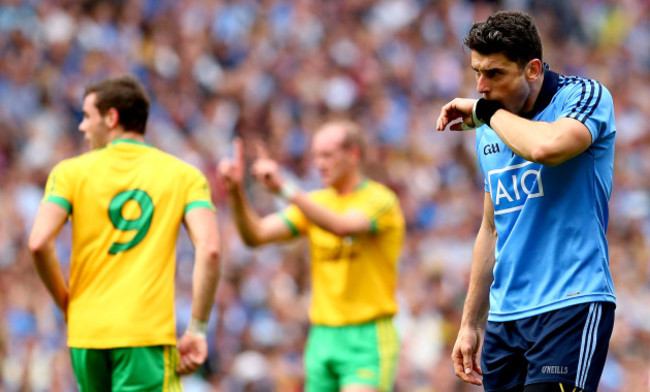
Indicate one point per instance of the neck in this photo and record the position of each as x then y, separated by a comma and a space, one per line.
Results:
349, 183
120, 134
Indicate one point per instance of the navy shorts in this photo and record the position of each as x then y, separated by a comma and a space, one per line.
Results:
567, 345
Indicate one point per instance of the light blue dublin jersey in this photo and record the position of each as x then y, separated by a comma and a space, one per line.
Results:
551, 250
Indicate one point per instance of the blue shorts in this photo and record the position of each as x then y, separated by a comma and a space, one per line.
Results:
567, 345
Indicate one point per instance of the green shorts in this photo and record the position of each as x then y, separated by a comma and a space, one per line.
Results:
124, 369
363, 354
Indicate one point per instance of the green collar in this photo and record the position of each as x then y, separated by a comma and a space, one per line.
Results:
121, 140
361, 185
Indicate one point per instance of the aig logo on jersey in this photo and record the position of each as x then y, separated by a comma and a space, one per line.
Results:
512, 185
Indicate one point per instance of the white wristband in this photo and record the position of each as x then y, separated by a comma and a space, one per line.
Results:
288, 190
197, 327
475, 120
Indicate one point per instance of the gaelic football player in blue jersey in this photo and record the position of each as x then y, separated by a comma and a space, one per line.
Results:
540, 301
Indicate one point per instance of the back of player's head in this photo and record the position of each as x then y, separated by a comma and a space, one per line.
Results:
512, 33
126, 95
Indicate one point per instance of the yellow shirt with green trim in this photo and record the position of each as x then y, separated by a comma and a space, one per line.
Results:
126, 203
354, 278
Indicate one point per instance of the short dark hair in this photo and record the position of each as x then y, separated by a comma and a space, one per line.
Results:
127, 96
512, 33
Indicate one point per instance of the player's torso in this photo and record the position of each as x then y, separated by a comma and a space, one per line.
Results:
128, 199
550, 220
126, 211
354, 277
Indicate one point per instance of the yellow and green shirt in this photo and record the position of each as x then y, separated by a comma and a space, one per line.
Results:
354, 278
126, 203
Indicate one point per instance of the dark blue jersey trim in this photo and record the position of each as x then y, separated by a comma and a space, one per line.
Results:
595, 105
584, 106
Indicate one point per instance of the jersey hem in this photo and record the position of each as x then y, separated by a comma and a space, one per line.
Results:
354, 322
83, 343
511, 316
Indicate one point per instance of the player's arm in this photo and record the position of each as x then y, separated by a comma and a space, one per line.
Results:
254, 230
352, 222
49, 220
349, 223
537, 141
465, 355
201, 224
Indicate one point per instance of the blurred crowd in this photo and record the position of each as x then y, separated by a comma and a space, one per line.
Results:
272, 70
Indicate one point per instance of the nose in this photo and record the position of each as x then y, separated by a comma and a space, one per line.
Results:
482, 85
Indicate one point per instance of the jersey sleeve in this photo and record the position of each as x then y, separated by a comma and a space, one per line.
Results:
295, 219
59, 188
382, 209
198, 192
590, 103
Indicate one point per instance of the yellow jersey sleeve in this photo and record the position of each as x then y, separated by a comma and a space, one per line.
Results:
295, 219
198, 192
379, 210
59, 188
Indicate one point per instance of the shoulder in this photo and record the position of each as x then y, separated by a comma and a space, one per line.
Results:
583, 99
79, 162
174, 163
377, 188
583, 89
378, 194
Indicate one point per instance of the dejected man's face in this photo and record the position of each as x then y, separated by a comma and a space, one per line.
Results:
500, 79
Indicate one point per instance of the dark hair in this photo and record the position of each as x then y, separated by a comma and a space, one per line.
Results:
127, 96
512, 33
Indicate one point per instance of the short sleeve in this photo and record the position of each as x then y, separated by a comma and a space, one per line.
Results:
295, 219
59, 186
382, 209
591, 103
198, 192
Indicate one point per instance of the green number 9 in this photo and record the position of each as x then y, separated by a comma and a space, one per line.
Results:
141, 224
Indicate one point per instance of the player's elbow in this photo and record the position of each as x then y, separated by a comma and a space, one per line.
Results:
343, 228
341, 231
211, 252
38, 245
547, 155
251, 241
209, 255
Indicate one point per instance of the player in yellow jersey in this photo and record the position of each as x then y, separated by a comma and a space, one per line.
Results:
355, 228
126, 201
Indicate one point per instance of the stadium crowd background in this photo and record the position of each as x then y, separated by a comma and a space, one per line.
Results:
273, 70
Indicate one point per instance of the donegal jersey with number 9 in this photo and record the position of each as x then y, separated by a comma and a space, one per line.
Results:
125, 224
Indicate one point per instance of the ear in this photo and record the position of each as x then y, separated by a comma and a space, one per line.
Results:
534, 69
355, 152
112, 118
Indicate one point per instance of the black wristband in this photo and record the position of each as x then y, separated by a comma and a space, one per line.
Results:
485, 109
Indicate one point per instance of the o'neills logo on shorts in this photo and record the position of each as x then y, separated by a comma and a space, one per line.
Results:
555, 370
